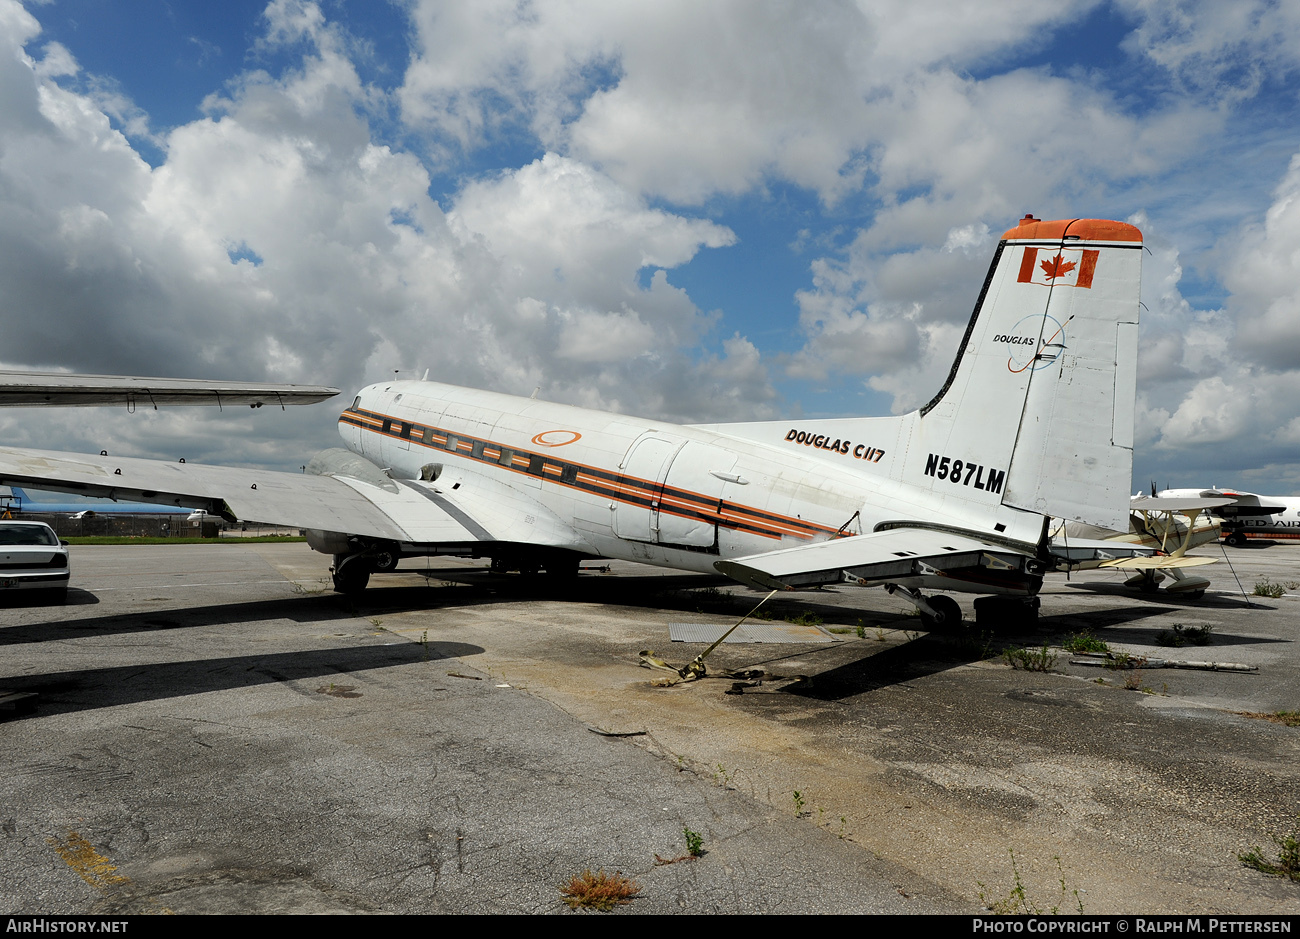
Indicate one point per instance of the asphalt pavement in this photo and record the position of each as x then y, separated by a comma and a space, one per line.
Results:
216, 731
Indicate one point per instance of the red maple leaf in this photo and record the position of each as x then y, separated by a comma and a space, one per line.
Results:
1056, 267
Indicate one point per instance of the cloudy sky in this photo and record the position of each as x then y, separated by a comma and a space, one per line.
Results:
694, 211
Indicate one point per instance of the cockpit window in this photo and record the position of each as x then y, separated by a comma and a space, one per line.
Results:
356, 403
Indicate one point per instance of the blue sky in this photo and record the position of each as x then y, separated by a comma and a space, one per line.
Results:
701, 212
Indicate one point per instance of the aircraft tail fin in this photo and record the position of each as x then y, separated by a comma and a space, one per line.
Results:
1038, 406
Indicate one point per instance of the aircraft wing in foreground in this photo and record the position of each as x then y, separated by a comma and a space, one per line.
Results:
63, 389
1035, 420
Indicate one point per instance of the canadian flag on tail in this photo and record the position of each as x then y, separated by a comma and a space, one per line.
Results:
1067, 267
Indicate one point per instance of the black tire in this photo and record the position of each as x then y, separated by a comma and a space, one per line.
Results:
1236, 539
351, 576
948, 618
385, 560
563, 568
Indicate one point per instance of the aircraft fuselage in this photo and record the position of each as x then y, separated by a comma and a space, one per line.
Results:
609, 485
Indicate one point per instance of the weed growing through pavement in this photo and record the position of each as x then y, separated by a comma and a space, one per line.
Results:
1123, 660
1017, 901
1031, 660
1268, 588
1084, 642
1182, 635
805, 619
598, 891
1288, 857
798, 804
1289, 718
694, 842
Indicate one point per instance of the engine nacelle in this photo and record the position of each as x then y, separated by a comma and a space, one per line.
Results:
328, 542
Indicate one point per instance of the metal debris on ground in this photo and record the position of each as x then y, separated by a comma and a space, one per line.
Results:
1104, 659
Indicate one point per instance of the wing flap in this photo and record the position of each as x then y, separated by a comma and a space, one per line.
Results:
879, 557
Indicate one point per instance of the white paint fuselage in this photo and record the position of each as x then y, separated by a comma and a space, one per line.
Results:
676, 496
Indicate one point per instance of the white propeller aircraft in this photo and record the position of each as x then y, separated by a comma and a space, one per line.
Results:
1170, 524
1249, 516
1035, 420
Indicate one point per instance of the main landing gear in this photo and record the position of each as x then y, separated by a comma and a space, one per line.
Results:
351, 572
939, 613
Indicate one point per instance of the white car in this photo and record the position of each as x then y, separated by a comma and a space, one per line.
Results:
33, 558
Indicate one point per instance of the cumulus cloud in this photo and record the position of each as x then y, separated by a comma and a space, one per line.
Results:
291, 232
1226, 50
683, 100
279, 240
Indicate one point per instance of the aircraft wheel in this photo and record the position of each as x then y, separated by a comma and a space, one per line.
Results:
351, 577
1193, 594
562, 569
1236, 539
948, 618
385, 559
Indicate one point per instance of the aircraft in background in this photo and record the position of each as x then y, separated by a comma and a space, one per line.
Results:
68, 389
1034, 420
1249, 516
1172, 525
21, 503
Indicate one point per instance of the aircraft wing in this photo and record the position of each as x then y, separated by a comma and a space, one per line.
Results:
1173, 504
879, 557
60, 389
397, 510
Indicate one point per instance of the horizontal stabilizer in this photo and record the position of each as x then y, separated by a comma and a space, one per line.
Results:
880, 557
1071, 552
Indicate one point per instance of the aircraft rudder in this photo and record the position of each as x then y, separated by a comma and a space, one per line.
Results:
1057, 308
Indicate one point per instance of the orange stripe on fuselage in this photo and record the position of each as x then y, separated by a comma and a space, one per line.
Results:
630, 490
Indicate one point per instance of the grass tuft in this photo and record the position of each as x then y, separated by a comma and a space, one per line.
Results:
1031, 660
1084, 642
1267, 588
1289, 718
598, 891
1288, 859
1184, 635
